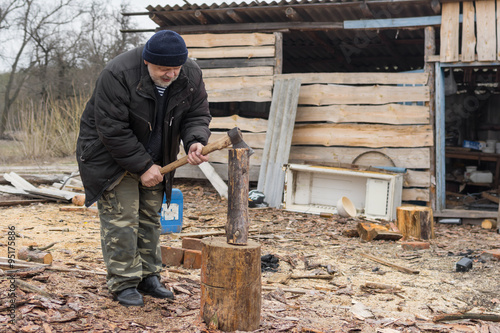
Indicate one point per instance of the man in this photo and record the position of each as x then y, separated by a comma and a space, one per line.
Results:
145, 101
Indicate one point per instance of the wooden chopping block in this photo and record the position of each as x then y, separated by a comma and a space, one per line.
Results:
230, 284
415, 221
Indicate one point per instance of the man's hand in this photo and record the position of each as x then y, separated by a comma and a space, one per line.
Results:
194, 155
152, 177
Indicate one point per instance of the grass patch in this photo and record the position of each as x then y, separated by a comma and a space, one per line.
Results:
46, 129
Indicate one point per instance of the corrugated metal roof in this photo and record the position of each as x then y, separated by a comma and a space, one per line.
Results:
331, 49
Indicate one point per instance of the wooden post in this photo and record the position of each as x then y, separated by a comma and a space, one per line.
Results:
415, 221
230, 285
237, 213
429, 67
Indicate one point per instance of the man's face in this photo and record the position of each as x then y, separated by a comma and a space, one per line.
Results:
163, 76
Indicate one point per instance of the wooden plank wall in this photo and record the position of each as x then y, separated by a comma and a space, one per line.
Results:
236, 68
368, 119
479, 39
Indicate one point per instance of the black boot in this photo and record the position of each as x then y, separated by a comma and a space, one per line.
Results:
129, 297
151, 286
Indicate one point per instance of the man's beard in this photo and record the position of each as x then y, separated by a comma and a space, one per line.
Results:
162, 84
159, 82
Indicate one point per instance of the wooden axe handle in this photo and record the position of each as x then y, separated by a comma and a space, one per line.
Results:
222, 143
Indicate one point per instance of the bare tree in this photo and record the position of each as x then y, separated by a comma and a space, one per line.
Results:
6, 7
64, 44
31, 17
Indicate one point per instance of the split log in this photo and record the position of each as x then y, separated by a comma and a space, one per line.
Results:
415, 221
371, 231
30, 254
230, 285
237, 211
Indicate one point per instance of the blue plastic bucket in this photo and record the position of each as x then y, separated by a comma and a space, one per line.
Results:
171, 216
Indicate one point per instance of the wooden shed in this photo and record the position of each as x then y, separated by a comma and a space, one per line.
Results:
374, 85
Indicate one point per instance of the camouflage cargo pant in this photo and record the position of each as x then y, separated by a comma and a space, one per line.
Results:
130, 232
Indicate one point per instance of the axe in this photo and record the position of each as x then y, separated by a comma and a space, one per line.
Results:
232, 137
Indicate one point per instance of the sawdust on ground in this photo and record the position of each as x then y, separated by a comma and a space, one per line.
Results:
304, 243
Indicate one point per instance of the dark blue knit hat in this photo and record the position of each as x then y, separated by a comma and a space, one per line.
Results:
165, 48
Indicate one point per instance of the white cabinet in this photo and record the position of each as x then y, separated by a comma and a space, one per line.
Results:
316, 189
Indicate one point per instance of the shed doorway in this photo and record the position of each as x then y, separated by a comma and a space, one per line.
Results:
468, 138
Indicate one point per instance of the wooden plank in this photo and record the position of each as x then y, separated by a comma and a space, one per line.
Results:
39, 169
241, 71
244, 124
238, 89
468, 32
430, 68
19, 182
498, 43
449, 31
397, 114
232, 52
416, 194
193, 172
391, 23
317, 94
242, 82
22, 184
212, 40
253, 27
486, 30
414, 158
277, 148
221, 156
399, 268
254, 140
252, 94
278, 54
415, 178
363, 135
235, 62
13, 190
462, 213
359, 78
214, 178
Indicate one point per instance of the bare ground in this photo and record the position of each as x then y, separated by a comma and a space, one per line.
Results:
78, 300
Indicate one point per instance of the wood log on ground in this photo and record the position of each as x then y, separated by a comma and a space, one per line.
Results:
30, 254
371, 231
489, 224
237, 211
230, 284
78, 200
462, 316
415, 221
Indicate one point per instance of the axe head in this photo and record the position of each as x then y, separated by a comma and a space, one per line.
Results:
237, 140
